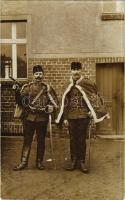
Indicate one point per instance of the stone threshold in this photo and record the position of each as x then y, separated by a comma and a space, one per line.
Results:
112, 16
118, 137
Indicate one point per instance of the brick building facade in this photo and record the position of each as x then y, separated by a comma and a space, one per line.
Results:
96, 49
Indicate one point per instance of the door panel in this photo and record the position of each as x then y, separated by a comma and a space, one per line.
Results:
110, 82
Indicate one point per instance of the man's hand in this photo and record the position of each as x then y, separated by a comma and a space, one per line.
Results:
15, 87
90, 115
66, 122
50, 109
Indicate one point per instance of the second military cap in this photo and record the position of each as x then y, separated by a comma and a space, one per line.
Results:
76, 66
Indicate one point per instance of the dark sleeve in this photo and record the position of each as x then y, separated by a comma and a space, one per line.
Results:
54, 96
23, 95
65, 113
66, 107
18, 97
25, 90
66, 103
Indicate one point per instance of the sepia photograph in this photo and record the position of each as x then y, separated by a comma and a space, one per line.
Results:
62, 99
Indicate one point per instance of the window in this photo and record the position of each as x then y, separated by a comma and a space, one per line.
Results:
13, 49
114, 6
112, 10
119, 6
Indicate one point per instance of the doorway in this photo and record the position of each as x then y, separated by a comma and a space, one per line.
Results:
110, 82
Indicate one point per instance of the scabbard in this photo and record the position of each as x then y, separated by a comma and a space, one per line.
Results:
51, 141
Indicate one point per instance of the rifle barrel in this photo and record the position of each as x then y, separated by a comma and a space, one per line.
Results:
15, 80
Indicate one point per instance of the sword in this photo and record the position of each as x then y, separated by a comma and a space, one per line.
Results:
51, 141
89, 144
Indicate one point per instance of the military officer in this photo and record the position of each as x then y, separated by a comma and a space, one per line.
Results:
38, 101
75, 111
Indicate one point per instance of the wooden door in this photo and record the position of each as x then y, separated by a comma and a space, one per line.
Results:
110, 82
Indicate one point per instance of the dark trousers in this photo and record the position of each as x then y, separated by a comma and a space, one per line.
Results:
78, 132
29, 130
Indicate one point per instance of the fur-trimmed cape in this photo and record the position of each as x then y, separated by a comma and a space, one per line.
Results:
92, 98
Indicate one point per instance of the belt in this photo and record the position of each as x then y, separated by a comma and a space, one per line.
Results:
43, 109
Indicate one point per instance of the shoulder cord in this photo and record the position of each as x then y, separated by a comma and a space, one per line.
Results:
96, 120
50, 96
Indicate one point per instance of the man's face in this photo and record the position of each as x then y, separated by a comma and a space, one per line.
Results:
76, 74
38, 76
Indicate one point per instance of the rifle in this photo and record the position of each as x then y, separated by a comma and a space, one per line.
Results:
17, 87
19, 84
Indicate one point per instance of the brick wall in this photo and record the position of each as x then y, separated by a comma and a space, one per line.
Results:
9, 124
57, 72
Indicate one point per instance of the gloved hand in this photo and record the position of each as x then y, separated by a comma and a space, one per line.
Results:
66, 122
90, 115
50, 109
15, 87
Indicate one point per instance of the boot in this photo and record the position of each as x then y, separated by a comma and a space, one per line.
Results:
83, 167
21, 166
39, 165
72, 166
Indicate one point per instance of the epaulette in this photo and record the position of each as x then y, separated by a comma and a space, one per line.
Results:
26, 85
48, 87
30, 83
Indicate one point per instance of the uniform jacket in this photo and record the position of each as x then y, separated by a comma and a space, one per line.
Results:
37, 111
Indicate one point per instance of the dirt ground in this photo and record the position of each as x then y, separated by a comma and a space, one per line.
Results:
104, 182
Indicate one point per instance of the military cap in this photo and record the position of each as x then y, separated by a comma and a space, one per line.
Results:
76, 66
38, 68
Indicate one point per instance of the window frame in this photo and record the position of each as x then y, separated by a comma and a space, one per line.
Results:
13, 41
117, 14
117, 4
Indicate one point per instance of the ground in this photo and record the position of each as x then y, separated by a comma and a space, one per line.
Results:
104, 182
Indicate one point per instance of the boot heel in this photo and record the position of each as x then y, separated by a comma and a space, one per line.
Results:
72, 166
20, 167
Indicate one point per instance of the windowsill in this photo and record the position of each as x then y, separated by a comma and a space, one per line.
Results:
9, 82
112, 16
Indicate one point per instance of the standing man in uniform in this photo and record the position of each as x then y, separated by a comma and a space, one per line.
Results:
75, 112
38, 101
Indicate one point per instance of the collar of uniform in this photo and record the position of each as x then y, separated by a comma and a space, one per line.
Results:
38, 83
78, 81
